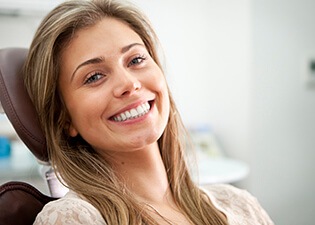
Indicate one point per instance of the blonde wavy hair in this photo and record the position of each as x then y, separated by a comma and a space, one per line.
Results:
77, 164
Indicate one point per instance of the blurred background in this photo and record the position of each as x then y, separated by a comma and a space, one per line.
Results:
246, 70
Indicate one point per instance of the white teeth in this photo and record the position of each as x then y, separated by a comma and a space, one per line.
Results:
140, 110
146, 106
133, 113
123, 116
128, 115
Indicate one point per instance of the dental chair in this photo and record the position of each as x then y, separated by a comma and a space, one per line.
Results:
20, 202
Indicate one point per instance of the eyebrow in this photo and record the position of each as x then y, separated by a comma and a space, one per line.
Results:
98, 60
128, 47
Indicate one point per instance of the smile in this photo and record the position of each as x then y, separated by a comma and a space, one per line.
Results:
137, 112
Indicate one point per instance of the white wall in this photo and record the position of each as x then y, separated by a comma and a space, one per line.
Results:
207, 52
283, 109
17, 31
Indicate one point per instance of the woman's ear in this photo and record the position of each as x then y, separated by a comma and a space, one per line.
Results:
71, 130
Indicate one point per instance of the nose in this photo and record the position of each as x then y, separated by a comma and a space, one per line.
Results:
126, 83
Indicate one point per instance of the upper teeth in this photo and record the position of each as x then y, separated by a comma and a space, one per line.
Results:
133, 113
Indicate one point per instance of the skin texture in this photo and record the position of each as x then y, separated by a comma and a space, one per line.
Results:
107, 70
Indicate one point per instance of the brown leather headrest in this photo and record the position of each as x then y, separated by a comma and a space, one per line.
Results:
17, 104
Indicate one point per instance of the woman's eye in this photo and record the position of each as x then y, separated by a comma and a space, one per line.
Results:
93, 78
137, 60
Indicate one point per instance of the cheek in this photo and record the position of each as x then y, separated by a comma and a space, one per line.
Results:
162, 88
156, 80
81, 109
84, 110
166, 106
163, 101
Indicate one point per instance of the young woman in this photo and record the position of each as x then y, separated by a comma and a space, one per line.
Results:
113, 132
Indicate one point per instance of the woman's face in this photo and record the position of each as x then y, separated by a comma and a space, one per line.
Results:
115, 93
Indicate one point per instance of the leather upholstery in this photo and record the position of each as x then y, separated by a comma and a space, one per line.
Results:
20, 203
17, 104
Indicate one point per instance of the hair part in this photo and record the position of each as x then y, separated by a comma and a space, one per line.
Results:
79, 166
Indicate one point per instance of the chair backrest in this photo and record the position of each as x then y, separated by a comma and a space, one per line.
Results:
16, 102
20, 203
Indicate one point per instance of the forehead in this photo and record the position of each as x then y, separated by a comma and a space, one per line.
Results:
107, 30
106, 38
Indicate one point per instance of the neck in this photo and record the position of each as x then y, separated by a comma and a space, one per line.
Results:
144, 173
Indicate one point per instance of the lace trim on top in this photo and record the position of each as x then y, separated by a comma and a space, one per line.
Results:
240, 208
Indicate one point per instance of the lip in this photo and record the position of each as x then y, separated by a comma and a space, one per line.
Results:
131, 106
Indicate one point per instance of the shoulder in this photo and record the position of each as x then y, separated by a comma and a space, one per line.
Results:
238, 205
225, 193
71, 209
